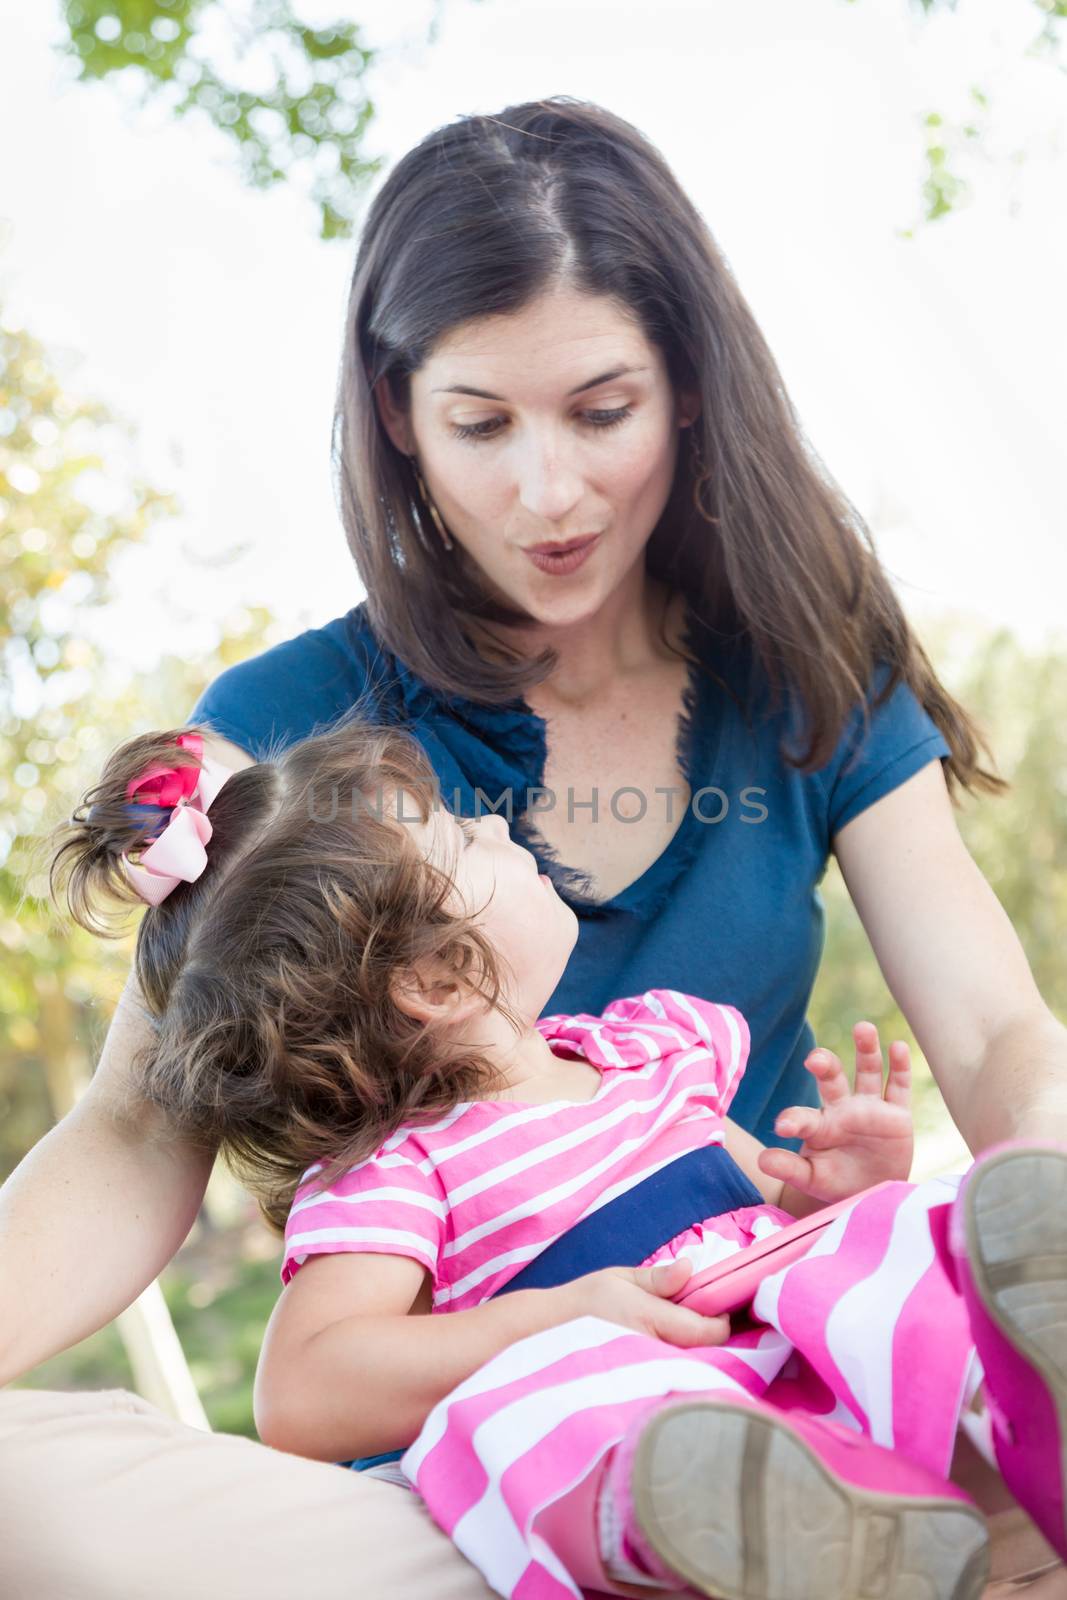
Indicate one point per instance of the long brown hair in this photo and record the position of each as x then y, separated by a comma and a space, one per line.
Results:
278, 1037
480, 218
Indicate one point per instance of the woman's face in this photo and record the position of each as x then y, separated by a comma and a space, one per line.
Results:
576, 433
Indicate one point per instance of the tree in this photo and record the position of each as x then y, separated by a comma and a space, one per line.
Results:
291, 99
948, 142
1019, 839
63, 704
292, 102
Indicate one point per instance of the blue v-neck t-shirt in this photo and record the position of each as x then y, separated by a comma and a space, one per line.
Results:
730, 910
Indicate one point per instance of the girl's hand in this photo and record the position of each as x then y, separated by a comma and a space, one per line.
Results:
641, 1298
861, 1136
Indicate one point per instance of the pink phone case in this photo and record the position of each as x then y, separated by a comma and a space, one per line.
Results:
728, 1285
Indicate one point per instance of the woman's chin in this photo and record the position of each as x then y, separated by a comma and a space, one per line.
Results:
560, 607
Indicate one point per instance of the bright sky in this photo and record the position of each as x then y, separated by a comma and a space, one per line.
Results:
928, 373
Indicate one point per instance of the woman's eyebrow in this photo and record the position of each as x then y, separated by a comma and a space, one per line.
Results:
593, 383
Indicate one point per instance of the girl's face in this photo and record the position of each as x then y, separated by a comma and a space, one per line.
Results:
524, 918
575, 432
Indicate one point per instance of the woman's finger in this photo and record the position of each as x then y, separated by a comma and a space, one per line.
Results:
868, 1059
898, 1088
832, 1079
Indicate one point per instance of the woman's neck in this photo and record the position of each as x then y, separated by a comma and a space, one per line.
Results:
621, 639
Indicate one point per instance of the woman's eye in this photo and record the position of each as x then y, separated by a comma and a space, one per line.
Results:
490, 428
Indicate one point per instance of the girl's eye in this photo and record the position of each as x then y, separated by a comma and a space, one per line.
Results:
489, 430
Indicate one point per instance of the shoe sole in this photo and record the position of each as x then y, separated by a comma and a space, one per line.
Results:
1015, 1217
740, 1507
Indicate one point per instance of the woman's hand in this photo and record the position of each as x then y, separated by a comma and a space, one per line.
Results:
861, 1136
641, 1298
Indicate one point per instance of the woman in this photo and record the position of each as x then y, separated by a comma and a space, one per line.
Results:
544, 346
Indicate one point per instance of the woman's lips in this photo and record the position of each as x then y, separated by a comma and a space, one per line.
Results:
570, 561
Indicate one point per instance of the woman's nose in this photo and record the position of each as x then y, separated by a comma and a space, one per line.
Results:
549, 484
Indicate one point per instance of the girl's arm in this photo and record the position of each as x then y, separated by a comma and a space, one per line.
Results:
746, 1151
352, 1362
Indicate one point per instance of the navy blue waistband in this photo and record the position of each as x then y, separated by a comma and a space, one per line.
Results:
625, 1231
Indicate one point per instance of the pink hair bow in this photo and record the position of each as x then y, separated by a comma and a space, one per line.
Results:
178, 854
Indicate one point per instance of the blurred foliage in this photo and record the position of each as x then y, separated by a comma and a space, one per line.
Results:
290, 98
63, 705
948, 142
292, 101
1019, 839
55, 553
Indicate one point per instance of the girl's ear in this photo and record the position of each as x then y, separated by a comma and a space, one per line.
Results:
430, 993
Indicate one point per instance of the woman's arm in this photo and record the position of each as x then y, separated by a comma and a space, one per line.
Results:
95, 1210
99, 1206
955, 965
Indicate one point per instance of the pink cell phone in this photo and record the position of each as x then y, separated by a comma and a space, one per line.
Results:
728, 1285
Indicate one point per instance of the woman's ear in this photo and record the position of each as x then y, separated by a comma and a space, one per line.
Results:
687, 407
393, 419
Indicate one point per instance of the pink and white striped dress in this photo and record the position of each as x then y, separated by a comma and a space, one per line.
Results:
866, 1328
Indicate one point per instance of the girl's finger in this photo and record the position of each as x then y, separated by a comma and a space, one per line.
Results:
868, 1059
786, 1165
898, 1088
687, 1328
827, 1069
865, 1116
664, 1278
798, 1122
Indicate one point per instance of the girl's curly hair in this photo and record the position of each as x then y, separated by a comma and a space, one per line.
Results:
270, 978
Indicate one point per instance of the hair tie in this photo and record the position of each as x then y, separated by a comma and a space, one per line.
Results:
177, 855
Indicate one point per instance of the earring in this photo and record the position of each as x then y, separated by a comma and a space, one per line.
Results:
431, 508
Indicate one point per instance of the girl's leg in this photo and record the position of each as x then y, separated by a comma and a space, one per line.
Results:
594, 1531
103, 1497
532, 1427
1008, 1242
875, 1316
748, 1503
